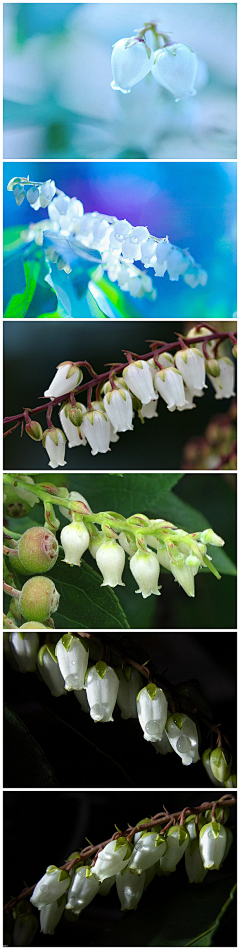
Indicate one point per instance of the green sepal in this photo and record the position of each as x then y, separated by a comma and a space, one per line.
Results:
63, 876
182, 835
101, 668
216, 828
50, 649
84, 644
127, 673
159, 840
119, 843
21, 635
67, 640
151, 690
51, 869
177, 718
218, 812
210, 566
143, 822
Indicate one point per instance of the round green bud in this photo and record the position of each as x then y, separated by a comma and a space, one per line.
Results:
38, 550
34, 429
33, 625
75, 414
38, 599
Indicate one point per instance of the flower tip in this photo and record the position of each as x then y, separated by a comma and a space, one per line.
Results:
119, 88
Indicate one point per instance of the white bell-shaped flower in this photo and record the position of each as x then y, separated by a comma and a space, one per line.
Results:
152, 711
207, 766
72, 655
221, 763
102, 689
113, 858
177, 840
130, 888
189, 404
74, 540
132, 246
119, 233
67, 377
138, 377
177, 263
82, 699
96, 428
131, 60
150, 847
54, 441
144, 566
49, 670
193, 863
32, 196
47, 192
148, 252
51, 886
119, 409
72, 433
84, 887
212, 844
127, 543
110, 558
74, 496
184, 574
51, 914
191, 364
25, 648
162, 746
175, 69
149, 411
224, 383
183, 737
169, 384
130, 682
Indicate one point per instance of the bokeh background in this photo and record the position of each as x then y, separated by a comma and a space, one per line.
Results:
46, 827
30, 359
193, 202
57, 74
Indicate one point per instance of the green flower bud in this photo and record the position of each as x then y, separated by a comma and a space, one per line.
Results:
75, 414
212, 367
38, 550
221, 764
231, 782
38, 599
34, 429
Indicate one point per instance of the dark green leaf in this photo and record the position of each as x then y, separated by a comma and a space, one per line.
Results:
84, 604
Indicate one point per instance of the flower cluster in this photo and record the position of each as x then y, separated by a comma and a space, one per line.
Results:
174, 66
132, 859
118, 243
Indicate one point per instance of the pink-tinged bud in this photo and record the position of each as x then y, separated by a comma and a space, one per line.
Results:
38, 550
34, 429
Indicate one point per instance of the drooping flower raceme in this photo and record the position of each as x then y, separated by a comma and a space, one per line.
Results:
175, 69
152, 711
51, 887
131, 60
183, 737
84, 886
212, 844
72, 655
102, 689
113, 858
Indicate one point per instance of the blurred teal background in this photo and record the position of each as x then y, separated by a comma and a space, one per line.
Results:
193, 202
57, 73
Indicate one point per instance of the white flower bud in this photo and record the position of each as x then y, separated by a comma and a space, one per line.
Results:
67, 377
175, 69
102, 689
177, 843
130, 682
131, 60
74, 496
184, 575
113, 858
110, 558
224, 383
54, 442
83, 889
127, 544
25, 648
96, 427
130, 888
145, 569
72, 656
49, 670
152, 711
169, 384
212, 844
191, 364
209, 537
183, 737
193, 863
138, 377
47, 192
119, 409
74, 540
51, 886
72, 432
32, 195
51, 914
150, 847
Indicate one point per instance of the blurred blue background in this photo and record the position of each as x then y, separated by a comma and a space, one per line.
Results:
193, 202
57, 72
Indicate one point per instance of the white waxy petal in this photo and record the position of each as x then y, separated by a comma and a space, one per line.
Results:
175, 69
212, 844
96, 428
145, 569
72, 432
194, 865
50, 915
149, 411
152, 711
130, 888
63, 383
25, 648
169, 384
224, 383
138, 377
83, 889
191, 365
55, 452
177, 843
130, 682
119, 409
115, 856
74, 540
131, 60
102, 689
72, 656
110, 559
183, 737
51, 886
147, 850
50, 672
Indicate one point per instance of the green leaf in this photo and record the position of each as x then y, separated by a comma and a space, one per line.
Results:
19, 303
37, 289
84, 604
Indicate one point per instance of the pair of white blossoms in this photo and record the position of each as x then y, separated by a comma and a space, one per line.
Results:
174, 67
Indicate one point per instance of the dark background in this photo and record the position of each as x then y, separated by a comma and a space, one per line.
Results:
45, 828
31, 355
115, 754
